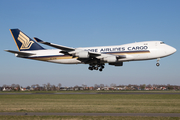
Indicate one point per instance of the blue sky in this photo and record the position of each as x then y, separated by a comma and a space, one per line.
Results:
85, 23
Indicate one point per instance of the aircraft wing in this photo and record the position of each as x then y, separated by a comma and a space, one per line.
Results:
72, 51
67, 49
102, 56
64, 49
92, 54
120, 56
20, 53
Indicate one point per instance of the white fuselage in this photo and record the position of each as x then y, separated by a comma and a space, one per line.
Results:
133, 52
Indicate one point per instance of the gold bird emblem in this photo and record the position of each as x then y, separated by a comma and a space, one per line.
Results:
26, 43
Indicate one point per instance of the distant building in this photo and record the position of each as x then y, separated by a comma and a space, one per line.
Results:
105, 88
28, 88
120, 87
149, 88
86, 88
7, 89
98, 89
163, 88
78, 88
91, 88
23, 89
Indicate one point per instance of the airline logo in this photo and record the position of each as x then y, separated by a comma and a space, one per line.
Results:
26, 43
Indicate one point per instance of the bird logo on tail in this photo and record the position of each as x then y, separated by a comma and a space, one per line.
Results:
26, 43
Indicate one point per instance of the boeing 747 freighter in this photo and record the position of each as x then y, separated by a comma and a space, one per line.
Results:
96, 57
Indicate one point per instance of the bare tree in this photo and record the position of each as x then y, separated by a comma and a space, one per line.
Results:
106, 85
4, 85
95, 86
76, 86
149, 85
84, 85
170, 87
113, 85
18, 87
101, 85
59, 85
28, 87
53, 87
33, 85
13, 86
143, 86
44, 87
48, 86
37, 87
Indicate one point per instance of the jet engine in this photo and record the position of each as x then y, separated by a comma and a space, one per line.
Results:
110, 59
116, 63
82, 54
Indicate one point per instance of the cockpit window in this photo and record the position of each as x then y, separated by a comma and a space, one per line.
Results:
162, 43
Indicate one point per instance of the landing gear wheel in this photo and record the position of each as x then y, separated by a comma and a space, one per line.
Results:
100, 69
96, 68
90, 68
157, 64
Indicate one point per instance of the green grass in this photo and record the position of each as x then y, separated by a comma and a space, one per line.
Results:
84, 118
98, 103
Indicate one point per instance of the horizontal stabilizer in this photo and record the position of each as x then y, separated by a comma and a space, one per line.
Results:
54, 45
20, 53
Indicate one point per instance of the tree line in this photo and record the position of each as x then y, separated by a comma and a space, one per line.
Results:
52, 87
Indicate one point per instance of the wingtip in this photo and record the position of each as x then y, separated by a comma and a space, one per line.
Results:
38, 40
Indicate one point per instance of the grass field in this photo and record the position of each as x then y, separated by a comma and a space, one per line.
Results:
99, 103
96, 103
83, 118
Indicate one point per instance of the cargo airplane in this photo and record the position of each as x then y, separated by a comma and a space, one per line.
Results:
96, 57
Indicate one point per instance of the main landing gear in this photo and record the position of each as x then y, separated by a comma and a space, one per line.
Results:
157, 64
96, 67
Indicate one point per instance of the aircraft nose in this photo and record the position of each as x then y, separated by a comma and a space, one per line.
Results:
172, 50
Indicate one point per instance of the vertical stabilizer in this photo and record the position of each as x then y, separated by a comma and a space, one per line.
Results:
23, 42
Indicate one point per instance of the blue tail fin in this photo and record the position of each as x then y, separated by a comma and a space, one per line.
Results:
24, 42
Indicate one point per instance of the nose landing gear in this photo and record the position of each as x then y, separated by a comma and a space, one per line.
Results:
157, 64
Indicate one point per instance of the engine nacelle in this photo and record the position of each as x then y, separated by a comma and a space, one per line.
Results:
82, 54
117, 64
110, 59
